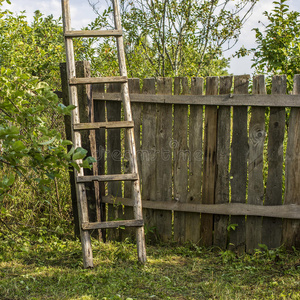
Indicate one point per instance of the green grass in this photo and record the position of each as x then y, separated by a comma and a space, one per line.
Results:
52, 269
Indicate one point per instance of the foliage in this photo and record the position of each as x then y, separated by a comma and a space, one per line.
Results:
33, 151
28, 141
36, 48
176, 37
53, 267
278, 46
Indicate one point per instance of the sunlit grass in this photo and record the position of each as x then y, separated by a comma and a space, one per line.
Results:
53, 269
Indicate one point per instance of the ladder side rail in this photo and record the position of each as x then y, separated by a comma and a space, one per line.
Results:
136, 193
80, 188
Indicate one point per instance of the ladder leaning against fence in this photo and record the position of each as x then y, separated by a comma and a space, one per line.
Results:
128, 124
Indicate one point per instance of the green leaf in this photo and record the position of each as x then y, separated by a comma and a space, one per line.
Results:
66, 143
79, 153
11, 180
48, 142
18, 146
75, 166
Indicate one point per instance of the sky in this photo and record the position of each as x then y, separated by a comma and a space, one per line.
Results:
82, 14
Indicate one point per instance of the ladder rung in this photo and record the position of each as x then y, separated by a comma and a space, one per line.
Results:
112, 224
107, 125
111, 177
93, 33
92, 80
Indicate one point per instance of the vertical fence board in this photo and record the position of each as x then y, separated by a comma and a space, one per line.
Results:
114, 158
272, 227
68, 130
180, 150
164, 160
192, 220
99, 116
291, 228
136, 108
256, 162
148, 158
239, 163
209, 161
223, 154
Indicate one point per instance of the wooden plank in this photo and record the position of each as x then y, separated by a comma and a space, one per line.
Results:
68, 131
99, 116
239, 164
107, 125
93, 33
223, 154
136, 193
275, 165
112, 224
148, 158
164, 160
209, 161
88, 139
80, 188
114, 159
181, 157
136, 108
256, 188
291, 228
192, 220
114, 177
229, 99
94, 80
290, 211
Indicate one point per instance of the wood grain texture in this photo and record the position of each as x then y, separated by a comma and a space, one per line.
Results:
114, 160
93, 33
290, 211
136, 108
192, 220
136, 192
223, 155
148, 158
113, 224
76, 138
107, 125
164, 160
209, 162
256, 191
239, 153
181, 156
68, 131
272, 228
94, 80
291, 228
99, 116
228, 100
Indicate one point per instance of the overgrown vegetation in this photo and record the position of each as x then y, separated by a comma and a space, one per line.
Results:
277, 51
176, 37
51, 268
33, 154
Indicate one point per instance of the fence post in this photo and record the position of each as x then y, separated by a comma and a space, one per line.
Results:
275, 166
239, 164
88, 137
180, 151
223, 154
256, 188
291, 228
209, 161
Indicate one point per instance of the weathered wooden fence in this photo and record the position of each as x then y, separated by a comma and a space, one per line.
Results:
218, 166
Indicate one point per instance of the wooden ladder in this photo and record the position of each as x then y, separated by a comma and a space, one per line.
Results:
128, 124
